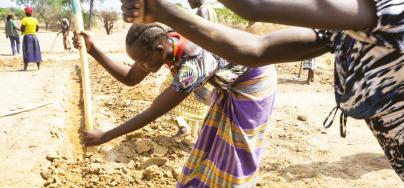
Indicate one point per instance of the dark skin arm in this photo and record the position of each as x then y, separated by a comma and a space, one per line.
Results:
327, 14
127, 75
243, 48
236, 46
15, 27
160, 106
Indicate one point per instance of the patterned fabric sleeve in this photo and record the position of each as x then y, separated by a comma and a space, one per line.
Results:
390, 23
194, 72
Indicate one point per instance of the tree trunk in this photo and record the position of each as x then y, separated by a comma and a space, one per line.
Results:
46, 26
110, 26
106, 26
90, 14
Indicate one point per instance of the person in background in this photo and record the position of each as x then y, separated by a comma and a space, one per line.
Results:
30, 44
12, 34
204, 10
310, 66
65, 26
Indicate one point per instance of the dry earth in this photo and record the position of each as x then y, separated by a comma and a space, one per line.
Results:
41, 147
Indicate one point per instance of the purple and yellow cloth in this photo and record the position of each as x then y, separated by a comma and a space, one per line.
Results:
230, 144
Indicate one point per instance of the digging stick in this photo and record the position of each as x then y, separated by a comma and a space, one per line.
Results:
29, 108
85, 75
300, 69
54, 42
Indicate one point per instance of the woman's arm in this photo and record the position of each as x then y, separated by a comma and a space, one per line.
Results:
129, 76
243, 48
126, 75
236, 46
160, 106
326, 14
15, 26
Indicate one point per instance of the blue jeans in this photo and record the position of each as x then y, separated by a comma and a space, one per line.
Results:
15, 44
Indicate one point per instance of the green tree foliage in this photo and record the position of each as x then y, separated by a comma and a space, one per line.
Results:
18, 13
229, 17
48, 11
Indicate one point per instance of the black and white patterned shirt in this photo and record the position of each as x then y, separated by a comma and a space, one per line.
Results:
369, 64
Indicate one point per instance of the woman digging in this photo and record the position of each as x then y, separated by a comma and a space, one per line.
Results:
229, 147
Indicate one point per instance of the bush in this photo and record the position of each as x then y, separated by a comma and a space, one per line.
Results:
18, 13
227, 16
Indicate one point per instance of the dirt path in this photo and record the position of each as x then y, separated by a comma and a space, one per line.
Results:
27, 138
42, 147
301, 153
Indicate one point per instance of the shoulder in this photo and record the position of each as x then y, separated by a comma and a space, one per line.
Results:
390, 15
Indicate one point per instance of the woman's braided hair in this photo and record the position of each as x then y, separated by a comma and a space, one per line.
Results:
146, 34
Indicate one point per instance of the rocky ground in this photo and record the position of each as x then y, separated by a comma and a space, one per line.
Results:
299, 151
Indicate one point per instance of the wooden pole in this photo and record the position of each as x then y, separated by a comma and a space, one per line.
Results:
85, 75
32, 107
300, 69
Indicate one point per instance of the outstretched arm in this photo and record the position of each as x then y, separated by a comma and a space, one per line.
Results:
325, 14
236, 46
243, 48
160, 106
127, 75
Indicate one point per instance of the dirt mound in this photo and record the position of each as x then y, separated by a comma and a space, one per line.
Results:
146, 158
93, 171
299, 152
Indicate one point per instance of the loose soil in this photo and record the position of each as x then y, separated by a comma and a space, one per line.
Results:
41, 148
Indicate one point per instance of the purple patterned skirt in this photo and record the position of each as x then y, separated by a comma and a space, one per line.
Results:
230, 146
31, 49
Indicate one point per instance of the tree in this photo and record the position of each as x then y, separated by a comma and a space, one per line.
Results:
109, 18
25, 2
229, 17
90, 14
48, 11
18, 13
